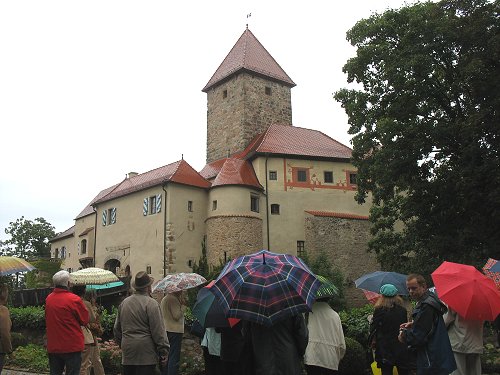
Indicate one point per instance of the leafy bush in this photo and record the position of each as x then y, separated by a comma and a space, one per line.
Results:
32, 317
30, 357
108, 321
18, 339
355, 323
490, 359
354, 361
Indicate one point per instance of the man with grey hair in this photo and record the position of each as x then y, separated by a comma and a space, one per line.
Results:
65, 313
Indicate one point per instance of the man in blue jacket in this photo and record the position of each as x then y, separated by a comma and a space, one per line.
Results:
427, 334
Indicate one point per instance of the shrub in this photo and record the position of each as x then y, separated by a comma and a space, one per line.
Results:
108, 322
355, 323
30, 357
18, 339
32, 317
490, 359
354, 361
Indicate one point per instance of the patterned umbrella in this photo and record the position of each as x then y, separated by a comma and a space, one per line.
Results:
489, 270
209, 312
92, 275
327, 288
179, 281
265, 287
10, 265
467, 291
374, 280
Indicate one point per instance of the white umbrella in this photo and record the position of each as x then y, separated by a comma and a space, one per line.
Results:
179, 281
92, 275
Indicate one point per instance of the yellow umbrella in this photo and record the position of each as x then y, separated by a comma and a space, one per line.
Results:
10, 265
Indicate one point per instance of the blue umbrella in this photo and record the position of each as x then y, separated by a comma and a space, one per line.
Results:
373, 281
105, 286
495, 267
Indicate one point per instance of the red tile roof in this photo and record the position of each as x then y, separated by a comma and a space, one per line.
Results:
248, 54
236, 172
67, 233
292, 140
340, 215
180, 172
89, 210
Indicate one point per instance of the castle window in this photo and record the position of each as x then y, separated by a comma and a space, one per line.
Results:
190, 206
190, 263
301, 175
148, 270
275, 209
273, 175
224, 94
268, 90
352, 178
83, 247
254, 203
328, 177
214, 205
301, 248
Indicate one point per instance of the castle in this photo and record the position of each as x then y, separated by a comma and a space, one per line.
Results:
267, 184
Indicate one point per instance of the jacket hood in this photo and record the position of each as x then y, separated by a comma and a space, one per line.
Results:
432, 300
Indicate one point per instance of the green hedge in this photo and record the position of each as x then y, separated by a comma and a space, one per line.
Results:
355, 323
354, 361
32, 317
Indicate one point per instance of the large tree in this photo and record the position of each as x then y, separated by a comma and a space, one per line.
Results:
424, 115
29, 238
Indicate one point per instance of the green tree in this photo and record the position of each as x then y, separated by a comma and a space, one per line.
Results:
426, 131
29, 238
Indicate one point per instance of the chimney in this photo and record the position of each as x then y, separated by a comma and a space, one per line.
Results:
132, 174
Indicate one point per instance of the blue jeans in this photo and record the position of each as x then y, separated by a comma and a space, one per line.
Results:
174, 355
72, 362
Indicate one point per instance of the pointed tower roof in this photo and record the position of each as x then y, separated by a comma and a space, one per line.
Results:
248, 54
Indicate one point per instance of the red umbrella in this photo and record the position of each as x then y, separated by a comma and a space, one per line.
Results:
488, 271
467, 291
372, 297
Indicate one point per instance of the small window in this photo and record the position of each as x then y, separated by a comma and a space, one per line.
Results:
273, 175
63, 252
70, 270
190, 263
190, 206
268, 90
224, 94
214, 205
353, 178
148, 270
301, 248
275, 209
254, 203
56, 253
302, 175
328, 177
83, 247
152, 205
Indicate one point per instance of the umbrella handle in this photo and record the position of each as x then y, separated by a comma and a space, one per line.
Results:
263, 258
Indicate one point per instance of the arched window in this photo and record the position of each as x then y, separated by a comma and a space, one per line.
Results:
83, 247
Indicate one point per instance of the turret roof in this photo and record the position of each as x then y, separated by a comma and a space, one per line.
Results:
248, 54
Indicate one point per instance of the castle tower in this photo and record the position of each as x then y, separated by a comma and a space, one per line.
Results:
247, 93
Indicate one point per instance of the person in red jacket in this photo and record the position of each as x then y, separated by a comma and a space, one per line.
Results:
65, 313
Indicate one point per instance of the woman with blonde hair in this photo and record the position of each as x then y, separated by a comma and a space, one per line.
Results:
389, 314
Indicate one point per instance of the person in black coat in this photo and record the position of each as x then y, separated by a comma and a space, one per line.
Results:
279, 349
389, 314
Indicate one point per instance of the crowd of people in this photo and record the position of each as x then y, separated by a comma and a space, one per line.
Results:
429, 338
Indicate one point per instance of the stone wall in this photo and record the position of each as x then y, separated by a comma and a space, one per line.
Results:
229, 237
346, 240
240, 108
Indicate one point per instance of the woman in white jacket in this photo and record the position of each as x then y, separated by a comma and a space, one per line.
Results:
326, 345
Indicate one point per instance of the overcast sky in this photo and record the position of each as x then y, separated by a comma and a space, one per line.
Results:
92, 90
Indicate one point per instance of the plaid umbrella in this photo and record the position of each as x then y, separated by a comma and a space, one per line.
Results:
327, 288
209, 312
179, 281
265, 287
11, 265
489, 270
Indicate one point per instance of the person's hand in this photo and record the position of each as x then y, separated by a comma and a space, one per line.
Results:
406, 325
163, 361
